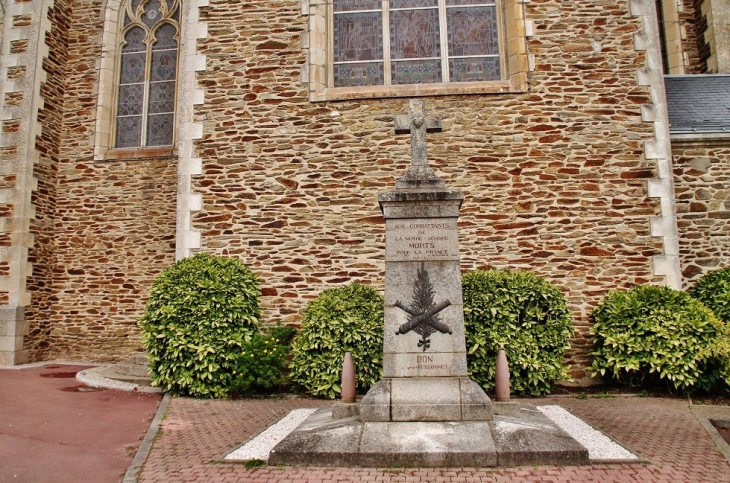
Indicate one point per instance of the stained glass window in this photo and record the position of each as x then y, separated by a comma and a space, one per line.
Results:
147, 74
386, 42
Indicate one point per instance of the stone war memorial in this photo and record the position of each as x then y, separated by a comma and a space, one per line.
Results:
426, 411
424, 353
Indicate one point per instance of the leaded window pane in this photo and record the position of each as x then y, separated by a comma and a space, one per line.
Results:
129, 132
416, 71
133, 68
147, 74
159, 129
474, 69
152, 13
359, 36
165, 36
351, 5
130, 100
134, 40
412, 3
135, 4
164, 65
415, 52
469, 2
359, 74
414, 34
162, 97
472, 31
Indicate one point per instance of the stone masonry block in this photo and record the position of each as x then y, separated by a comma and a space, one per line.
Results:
375, 406
425, 399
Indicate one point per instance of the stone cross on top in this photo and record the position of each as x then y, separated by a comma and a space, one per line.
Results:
418, 123
419, 175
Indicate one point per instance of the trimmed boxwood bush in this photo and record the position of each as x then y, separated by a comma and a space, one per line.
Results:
200, 313
339, 320
658, 336
527, 317
713, 290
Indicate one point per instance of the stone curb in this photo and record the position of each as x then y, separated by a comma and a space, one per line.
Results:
50, 363
92, 378
719, 441
146, 446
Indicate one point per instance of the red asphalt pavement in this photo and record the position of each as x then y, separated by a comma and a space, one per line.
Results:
52, 432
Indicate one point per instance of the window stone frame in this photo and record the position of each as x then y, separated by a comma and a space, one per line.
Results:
108, 68
514, 57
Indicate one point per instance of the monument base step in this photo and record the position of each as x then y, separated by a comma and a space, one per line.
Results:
523, 436
435, 399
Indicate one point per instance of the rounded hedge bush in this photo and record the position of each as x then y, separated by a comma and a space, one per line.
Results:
713, 290
527, 317
339, 320
199, 314
658, 336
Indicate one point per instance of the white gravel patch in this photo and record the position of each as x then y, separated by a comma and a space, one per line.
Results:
600, 447
259, 447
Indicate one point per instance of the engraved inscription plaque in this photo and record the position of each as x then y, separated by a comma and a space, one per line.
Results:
421, 239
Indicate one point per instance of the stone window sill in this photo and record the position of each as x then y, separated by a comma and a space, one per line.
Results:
415, 90
136, 154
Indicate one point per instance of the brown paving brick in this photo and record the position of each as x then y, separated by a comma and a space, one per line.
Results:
663, 431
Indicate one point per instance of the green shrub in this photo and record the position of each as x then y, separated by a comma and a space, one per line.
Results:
260, 365
527, 317
713, 290
658, 336
283, 333
200, 313
339, 320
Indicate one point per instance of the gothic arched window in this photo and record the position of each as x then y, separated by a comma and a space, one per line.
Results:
145, 110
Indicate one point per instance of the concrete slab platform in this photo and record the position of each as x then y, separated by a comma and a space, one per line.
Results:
525, 436
427, 444
321, 441
520, 435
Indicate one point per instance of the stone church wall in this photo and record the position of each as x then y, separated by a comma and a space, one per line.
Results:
555, 179
42, 253
115, 221
702, 184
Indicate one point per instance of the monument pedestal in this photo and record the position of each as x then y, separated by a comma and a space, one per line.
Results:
424, 350
426, 399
